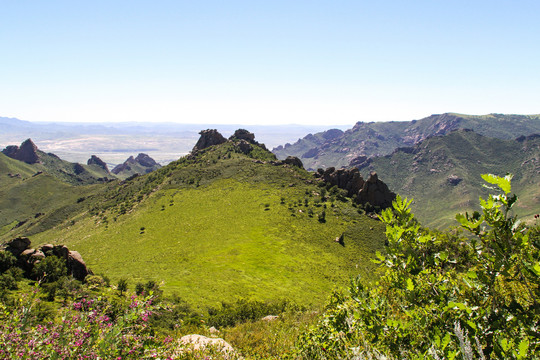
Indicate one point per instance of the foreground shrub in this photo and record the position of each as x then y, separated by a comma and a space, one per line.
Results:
442, 295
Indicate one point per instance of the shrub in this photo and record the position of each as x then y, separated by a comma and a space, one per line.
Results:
442, 295
7, 260
49, 269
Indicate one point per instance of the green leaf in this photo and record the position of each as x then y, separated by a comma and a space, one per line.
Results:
410, 285
523, 348
502, 182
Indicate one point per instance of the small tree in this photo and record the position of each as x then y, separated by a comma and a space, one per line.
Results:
122, 285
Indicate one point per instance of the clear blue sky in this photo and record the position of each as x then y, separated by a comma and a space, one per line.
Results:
261, 62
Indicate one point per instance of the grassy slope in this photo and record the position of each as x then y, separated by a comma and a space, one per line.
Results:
39, 200
241, 232
423, 175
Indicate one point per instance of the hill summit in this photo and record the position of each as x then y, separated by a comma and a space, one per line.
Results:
27, 152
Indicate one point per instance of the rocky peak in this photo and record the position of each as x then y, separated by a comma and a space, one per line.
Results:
94, 160
208, 138
27, 152
145, 160
243, 134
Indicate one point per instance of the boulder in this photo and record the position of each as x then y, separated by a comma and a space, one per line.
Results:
46, 248
17, 246
94, 160
76, 265
61, 251
294, 161
209, 137
199, 342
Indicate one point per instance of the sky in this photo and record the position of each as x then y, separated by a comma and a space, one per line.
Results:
267, 62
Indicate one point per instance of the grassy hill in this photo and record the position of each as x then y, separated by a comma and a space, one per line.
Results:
221, 225
442, 173
336, 148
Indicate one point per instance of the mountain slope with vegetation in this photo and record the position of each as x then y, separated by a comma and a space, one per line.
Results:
365, 140
227, 222
442, 173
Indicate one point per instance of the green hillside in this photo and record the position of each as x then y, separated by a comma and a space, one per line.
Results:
332, 148
442, 173
224, 224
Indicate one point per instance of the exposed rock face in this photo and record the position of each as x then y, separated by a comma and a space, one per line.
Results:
243, 134
27, 152
376, 192
28, 257
94, 160
145, 160
360, 162
142, 160
208, 138
373, 190
347, 179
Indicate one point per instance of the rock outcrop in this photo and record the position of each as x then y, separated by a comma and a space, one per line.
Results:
347, 179
27, 152
243, 134
373, 191
142, 164
208, 138
94, 160
145, 160
28, 257
294, 161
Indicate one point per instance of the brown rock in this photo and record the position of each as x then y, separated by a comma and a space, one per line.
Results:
94, 160
27, 152
208, 138
347, 179
294, 161
375, 192
76, 265
17, 245
243, 134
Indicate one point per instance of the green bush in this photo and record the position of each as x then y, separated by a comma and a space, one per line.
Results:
442, 295
7, 260
49, 269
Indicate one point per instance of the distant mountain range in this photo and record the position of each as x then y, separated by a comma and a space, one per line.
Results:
114, 142
352, 147
442, 173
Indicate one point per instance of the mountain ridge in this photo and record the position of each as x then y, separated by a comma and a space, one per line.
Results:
381, 138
